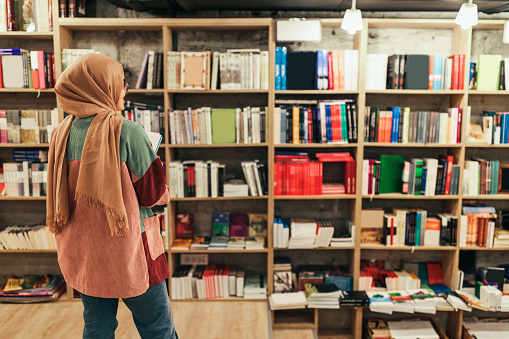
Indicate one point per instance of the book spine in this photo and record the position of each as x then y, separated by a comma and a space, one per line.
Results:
11, 18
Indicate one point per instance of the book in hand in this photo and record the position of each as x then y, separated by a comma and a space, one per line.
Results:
155, 140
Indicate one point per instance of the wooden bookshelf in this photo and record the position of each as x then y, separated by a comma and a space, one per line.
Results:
26, 90
63, 37
22, 198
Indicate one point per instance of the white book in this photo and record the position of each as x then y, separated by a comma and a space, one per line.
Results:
506, 75
256, 71
323, 122
248, 174
264, 70
277, 125
150, 71
448, 74
256, 175
251, 70
376, 71
255, 125
431, 176
215, 70
223, 71
208, 124
214, 180
245, 119
487, 126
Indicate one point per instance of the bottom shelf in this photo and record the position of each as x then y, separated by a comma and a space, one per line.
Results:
303, 318
324, 334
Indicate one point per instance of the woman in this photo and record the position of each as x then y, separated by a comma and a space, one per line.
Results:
102, 178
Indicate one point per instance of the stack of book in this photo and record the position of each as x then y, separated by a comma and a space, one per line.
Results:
149, 115
36, 129
70, 55
323, 295
283, 282
344, 233
207, 282
20, 68
481, 176
288, 301
485, 328
255, 287
424, 300
402, 301
380, 302
255, 243
15, 17
151, 74
431, 72
478, 226
207, 125
201, 179
235, 69
501, 238
324, 70
200, 243
400, 125
25, 179
36, 237
218, 242
303, 233
326, 122
33, 289
353, 299
365, 281
412, 328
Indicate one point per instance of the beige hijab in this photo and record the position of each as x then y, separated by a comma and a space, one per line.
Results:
91, 85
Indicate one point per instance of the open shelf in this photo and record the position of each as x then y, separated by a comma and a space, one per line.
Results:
26, 90
487, 146
408, 145
184, 251
349, 247
232, 145
219, 91
219, 198
410, 196
477, 248
220, 299
407, 248
473, 92
314, 92
322, 334
28, 251
145, 91
314, 145
414, 91
315, 197
24, 145
486, 197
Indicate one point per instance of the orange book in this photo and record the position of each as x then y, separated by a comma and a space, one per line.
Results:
182, 244
431, 71
337, 116
335, 69
381, 122
296, 125
341, 67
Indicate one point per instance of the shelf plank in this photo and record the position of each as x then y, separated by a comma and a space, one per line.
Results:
315, 197
28, 251
410, 197
407, 248
183, 251
477, 248
414, 91
22, 198
219, 198
487, 146
314, 145
473, 92
27, 35
146, 91
487, 197
26, 90
409, 145
24, 145
317, 249
228, 145
219, 91
313, 92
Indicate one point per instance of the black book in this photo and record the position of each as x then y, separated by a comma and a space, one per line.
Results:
289, 126
401, 75
354, 120
220, 180
443, 234
416, 72
440, 175
349, 122
377, 177
393, 72
445, 165
209, 176
413, 224
454, 231
300, 70
186, 186
302, 125
401, 122
317, 131
160, 75
501, 82
354, 299
263, 123
373, 130
263, 178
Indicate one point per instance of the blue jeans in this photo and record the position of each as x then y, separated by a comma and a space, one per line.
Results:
151, 313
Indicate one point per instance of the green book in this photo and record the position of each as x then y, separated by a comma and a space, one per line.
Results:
391, 173
223, 123
418, 176
220, 224
488, 72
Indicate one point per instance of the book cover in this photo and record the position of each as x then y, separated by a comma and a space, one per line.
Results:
194, 70
300, 70
391, 173
220, 224
488, 72
223, 124
257, 225
184, 226
417, 72
238, 225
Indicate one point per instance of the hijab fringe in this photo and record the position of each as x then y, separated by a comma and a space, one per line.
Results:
56, 221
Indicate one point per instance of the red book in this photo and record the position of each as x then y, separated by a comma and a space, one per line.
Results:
306, 178
329, 69
388, 127
461, 73
370, 177
238, 225
310, 125
434, 273
354, 176
291, 158
348, 177
431, 71
339, 135
3, 131
455, 72
1, 82
336, 155
278, 178
51, 59
381, 122
42, 71
11, 20
184, 226
449, 159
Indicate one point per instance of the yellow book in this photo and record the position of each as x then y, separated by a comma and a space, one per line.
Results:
296, 125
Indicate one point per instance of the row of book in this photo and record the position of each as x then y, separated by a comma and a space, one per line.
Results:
195, 178
411, 227
15, 16
220, 242
148, 115
224, 224
400, 125
27, 126
322, 70
477, 228
235, 69
309, 233
495, 127
430, 72
329, 121
428, 176
216, 281
31, 289
30, 237
69, 55
27, 177
481, 176
296, 174
152, 72
20, 68
207, 125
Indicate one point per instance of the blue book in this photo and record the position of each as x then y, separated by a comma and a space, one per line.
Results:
305, 154
478, 209
435, 72
325, 70
440, 288
328, 124
11, 51
423, 181
283, 68
407, 231
396, 115
471, 76
318, 130
343, 283
278, 68
502, 130
506, 129
318, 79
418, 229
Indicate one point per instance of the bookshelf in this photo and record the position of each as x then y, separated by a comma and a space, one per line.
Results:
462, 41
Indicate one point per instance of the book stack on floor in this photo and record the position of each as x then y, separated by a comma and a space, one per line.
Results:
354, 299
21, 68
32, 289
207, 282
30, 237
477, 227
309, 233
481, 176
288, 301
326, 122
152, 74
206, 125
296, 174
149, 115
255, 287
419, 176
15, 17
235, 69
400, 125
70, 55
229, 231
431, 72
283, 277
323, 295
36, 128
201, 179
27, 177
323, 70
485, 328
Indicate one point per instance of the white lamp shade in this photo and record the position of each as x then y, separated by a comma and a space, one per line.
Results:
467, 16
352, 22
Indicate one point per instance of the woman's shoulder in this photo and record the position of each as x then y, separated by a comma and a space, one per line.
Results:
131, 129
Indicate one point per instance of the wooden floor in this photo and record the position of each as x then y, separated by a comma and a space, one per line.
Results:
208, 320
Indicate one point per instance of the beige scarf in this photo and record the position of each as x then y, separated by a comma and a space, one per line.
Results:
90, 86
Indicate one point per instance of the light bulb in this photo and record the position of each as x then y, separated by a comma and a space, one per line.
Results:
467, 15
